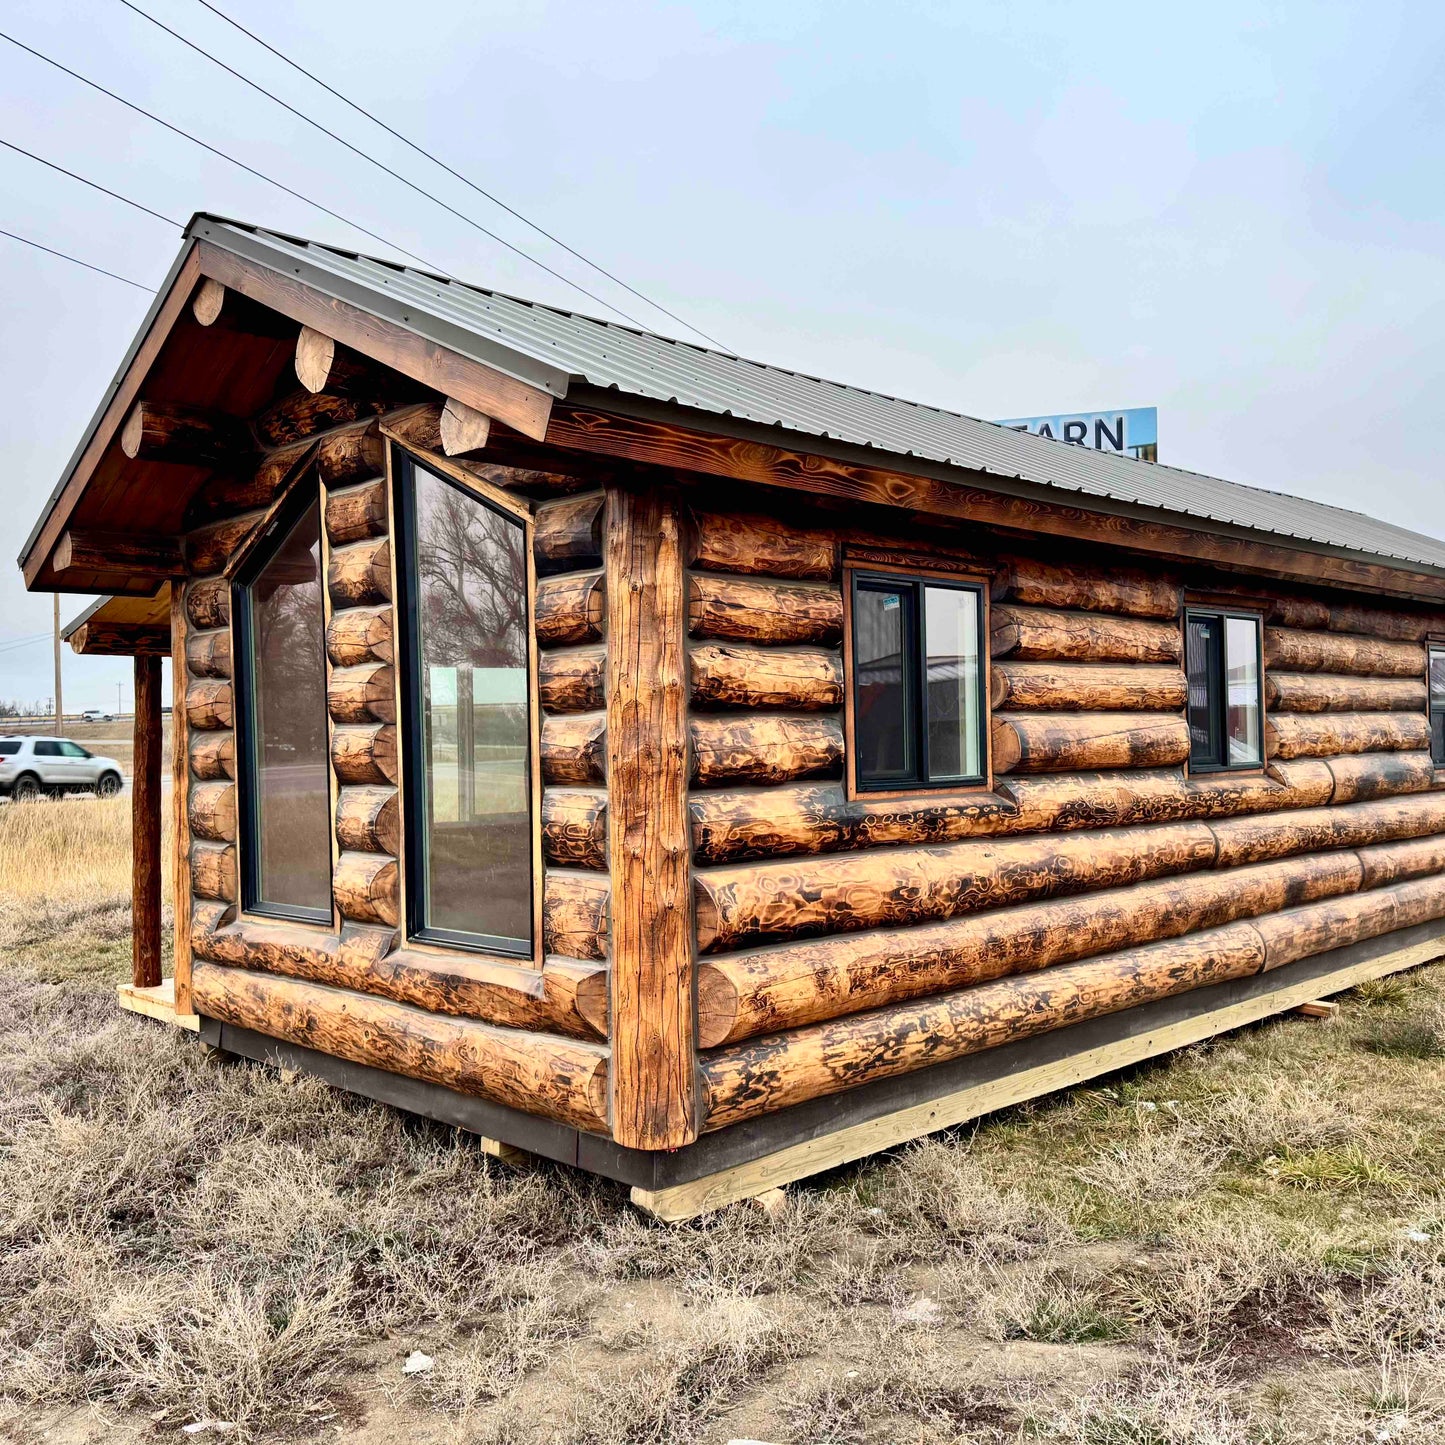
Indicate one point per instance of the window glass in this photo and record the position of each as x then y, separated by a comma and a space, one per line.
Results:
287, 788
8, 748
882, 730
73, 750
1224, 706
954, 677
917, 683
1437, 704
46, 748
469, 716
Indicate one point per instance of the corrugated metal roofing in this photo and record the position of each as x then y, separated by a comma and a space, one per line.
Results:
554, 349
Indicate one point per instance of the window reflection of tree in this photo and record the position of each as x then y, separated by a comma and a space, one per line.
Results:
289, 657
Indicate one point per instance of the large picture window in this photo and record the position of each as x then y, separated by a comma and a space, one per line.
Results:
467, 704
1222, 659
918, 706
285, 771
1437, 704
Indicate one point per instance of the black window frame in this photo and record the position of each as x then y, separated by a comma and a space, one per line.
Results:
913, 585
1434, 649
1220, 689
410, 733
305, 495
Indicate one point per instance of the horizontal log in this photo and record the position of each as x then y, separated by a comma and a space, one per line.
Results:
1383, 622
463, 428
208, 603
355, 513
1064, 687
1331, 692
570, 609
760, 546
208, 654
567, 534
218, 306
1340, 922
245, 489
562, 1079
1363, 776
736, 610
574, 748
419, 425
1066, 742
1287, 650
818, 818
566, 996
208, 705
1384, 863
212, 811
365, 693
364, 753
1312, 830
572, 680
744, 994
368, 819
574, 827
137, 555
209, 549
158, 431
323, 365
746, 904
1037, 583
350, 454
1327, 734
213, 870
800, 679
303, 414
764, 749
771, 1073
366, 887
1048, 635
360, 574
360, 634
97, 638
213, 755
575, 910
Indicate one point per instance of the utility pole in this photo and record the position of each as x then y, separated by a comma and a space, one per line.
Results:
59, 705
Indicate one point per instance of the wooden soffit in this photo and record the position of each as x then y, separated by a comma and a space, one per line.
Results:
124, 627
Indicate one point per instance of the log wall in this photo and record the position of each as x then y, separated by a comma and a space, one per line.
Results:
844, 937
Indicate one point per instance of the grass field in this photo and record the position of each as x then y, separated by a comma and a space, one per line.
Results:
1244, 1243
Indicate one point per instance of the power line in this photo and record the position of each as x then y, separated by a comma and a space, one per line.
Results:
94, 185
381, 165
26, 241
205, 145
437, 161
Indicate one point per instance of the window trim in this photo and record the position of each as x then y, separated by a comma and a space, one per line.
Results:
400, 457
863, 570
1433, 645
1225, 613
304, 492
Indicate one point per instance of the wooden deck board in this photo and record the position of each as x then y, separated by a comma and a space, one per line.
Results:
156, 1003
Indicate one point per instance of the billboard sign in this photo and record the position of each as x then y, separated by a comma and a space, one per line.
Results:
1131, 433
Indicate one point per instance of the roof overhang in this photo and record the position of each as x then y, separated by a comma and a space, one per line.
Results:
123, 627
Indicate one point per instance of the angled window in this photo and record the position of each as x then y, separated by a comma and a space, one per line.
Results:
1222, 660
1437, 705
917, 663
466, 692
285, 771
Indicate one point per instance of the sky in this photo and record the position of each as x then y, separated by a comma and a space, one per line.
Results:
1233, 213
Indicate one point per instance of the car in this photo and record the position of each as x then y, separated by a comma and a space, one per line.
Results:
33, 767
94, 714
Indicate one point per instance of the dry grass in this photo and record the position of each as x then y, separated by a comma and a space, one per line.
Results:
1245, 1243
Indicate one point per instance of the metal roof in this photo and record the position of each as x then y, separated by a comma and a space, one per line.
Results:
561, 351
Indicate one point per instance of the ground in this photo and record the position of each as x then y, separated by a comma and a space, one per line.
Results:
1242, 1243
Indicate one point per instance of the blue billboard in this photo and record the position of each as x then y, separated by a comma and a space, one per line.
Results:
1133, 432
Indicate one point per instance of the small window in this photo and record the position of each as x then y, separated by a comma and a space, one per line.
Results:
1437, 705
1222, 658
72, 750
9, 747
46, 748
466, 692
918, 714
282, 743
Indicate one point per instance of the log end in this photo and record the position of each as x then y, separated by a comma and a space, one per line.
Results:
717, 1006
314, 354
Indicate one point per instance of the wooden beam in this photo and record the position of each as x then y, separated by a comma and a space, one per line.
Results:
159, 431
967, 499
121, 639
654, 1069
180, 801
463, 428
145, 804
216, 307
130, 554
517, 403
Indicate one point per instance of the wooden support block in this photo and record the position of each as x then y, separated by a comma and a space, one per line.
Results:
856, 1141
1319, 1008
505, 1153
157, 1003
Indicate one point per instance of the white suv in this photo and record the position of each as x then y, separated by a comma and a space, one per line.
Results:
30, 767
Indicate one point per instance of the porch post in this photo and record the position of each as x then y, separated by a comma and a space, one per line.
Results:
146, 826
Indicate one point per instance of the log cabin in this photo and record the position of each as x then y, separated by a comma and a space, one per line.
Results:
705, 774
